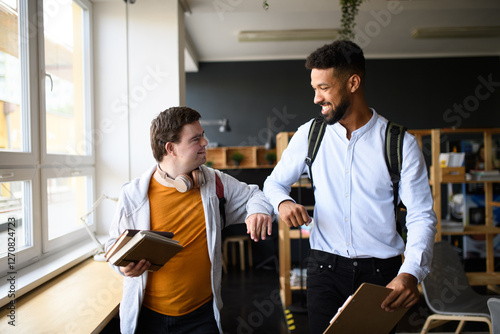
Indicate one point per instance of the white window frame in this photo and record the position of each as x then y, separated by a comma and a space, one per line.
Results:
30, 97
34, 164
29, 254
62, 160
62, 241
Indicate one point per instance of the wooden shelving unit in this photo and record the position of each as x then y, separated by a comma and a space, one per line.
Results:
254, 157
438, 177
286, 234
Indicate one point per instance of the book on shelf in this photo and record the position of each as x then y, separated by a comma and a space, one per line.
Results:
452, 159
134, 245
451, 226
493, 174
361, 313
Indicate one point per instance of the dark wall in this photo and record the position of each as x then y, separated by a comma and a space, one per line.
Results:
419, 93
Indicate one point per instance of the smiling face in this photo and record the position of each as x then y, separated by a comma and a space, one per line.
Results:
190, 150
330, 92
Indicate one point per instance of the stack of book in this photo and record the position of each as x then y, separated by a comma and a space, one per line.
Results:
485, 175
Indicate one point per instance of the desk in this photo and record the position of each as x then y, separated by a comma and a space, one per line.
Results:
81, 300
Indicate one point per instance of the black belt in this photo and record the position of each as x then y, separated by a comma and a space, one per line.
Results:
337, 260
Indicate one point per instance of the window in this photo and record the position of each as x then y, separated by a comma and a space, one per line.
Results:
46, 150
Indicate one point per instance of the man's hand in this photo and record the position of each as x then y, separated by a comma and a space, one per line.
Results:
135, 269
293, 214
404, 294
258, 224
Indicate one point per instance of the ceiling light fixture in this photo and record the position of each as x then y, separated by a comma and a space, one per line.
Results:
223, 124
287, 35
456, 32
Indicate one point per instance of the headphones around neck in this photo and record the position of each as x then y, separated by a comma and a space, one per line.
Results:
183, 182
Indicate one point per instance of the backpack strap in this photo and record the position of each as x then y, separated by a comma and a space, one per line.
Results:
219, 189
394, 136
316, 133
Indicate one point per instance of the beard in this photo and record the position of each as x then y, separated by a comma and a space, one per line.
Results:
338, 112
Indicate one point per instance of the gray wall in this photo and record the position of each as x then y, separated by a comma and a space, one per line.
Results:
419, 93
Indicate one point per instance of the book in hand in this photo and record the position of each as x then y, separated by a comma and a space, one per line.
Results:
361, 313
134, 245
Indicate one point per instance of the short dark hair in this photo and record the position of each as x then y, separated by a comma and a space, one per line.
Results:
167, 127
344, 56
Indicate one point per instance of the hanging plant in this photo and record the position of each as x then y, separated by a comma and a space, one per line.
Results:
347, 22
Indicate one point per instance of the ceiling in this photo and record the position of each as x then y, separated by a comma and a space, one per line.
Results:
384, 28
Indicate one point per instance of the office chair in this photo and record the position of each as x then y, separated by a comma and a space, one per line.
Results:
494, 307
448, 293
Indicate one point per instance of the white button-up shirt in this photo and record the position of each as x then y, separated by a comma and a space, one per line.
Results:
354, 210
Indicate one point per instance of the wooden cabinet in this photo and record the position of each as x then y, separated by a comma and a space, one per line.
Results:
253, 157
438, 176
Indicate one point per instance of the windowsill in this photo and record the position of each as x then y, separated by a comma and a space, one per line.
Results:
36, 274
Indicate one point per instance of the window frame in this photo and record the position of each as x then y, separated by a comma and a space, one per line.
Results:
34, 164
29, 86
72, 237
67, 160
29, 254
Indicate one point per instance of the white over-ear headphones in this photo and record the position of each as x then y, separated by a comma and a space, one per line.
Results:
183, 182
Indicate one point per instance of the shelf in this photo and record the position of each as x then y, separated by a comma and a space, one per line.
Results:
295, 234
474, 230
439, 176
297, 288
483, 278
304, 183
254, 157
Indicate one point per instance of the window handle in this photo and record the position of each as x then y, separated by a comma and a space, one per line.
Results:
51, 81
6, 175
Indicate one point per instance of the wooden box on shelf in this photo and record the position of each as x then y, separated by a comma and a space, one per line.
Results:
262, 157
451, 174
253, 157
249, 156
217, 156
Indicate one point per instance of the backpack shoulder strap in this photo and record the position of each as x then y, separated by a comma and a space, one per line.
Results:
219, 189
394, 136
316, 133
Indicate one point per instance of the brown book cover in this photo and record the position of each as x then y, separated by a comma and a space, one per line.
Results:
361, 313
126, 236
135, 245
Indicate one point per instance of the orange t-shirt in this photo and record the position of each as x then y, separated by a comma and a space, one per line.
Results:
183, 284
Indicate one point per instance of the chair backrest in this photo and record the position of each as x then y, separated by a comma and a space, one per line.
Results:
446, 288
494, 307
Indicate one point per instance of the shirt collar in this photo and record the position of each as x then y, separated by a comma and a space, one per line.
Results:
339, 128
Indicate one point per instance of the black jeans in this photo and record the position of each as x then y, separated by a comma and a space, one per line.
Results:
332, 278
200, 321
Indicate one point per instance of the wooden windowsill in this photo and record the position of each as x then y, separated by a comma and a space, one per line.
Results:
83, 299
